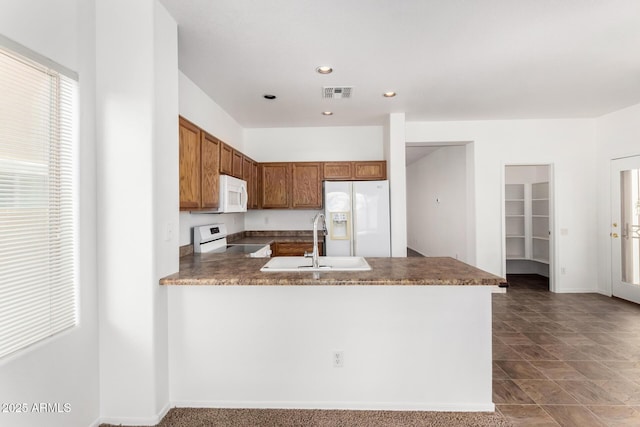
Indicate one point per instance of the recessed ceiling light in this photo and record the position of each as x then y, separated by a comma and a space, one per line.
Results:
269, 96
389, 94
324, 69
327, 113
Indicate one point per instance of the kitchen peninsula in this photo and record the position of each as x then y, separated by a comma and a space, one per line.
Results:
411, 334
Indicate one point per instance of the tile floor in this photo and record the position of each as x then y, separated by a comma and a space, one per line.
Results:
565, 359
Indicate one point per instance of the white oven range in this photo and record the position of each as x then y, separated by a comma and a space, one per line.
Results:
212, 238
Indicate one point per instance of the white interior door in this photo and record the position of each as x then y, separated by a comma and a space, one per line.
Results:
625, 228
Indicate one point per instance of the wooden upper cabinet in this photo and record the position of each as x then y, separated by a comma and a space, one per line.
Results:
247, 171
274, 185
254, 186
374, 170
306, 185
237, 164
189, 164
354, 171
226, 159
337, 170
210, 159
249, 175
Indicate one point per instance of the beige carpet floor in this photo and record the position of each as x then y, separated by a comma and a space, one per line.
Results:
208, 417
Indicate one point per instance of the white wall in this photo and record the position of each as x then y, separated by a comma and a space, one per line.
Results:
49, 28
235, 223
166, 190
618, 135
279, 219
271, 347
395, 151
136, 97
62, 369
570, 145
437, 203
197, 107
314, 144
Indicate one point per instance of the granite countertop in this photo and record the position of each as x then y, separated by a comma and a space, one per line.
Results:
230, 269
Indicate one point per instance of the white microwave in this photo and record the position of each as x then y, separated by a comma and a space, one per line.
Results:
233, 194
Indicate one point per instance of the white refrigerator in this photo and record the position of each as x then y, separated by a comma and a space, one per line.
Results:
357, 218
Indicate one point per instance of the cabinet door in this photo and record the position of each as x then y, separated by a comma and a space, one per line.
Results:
295, 248
337, 171
254, 185
210, 159
237, 164
226, 159
274, 178
306, 185
375, 170
247, 175
189, 164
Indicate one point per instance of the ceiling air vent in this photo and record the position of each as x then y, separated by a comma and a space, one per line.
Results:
336, 92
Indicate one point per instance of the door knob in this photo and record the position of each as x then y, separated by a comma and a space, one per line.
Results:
614, 235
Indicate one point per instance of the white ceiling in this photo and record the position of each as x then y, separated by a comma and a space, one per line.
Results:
446, 59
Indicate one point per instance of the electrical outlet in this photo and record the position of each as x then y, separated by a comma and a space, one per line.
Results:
563, 270
338, 359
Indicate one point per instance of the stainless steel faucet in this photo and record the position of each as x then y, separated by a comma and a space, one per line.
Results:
314, 254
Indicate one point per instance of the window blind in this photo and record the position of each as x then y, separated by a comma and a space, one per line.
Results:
37, 255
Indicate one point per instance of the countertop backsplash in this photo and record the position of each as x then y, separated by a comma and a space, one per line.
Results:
298, 235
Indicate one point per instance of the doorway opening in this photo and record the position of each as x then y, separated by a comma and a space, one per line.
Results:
440, 194
528, 221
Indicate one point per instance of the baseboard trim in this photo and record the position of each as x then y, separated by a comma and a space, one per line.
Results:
360, 406
134, 421
577, 291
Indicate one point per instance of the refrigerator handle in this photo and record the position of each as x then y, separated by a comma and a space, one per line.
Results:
354, 218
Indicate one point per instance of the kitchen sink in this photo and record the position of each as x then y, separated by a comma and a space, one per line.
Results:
326, 263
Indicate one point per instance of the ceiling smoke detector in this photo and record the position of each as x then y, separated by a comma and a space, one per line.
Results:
337, 92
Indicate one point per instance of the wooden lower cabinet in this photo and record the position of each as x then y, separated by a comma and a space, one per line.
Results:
294, 248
